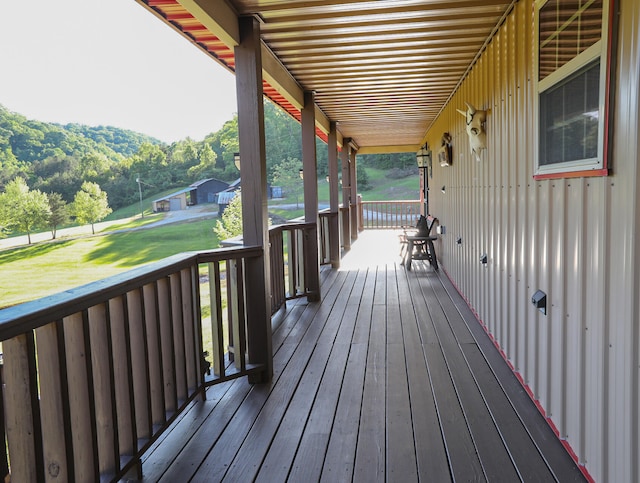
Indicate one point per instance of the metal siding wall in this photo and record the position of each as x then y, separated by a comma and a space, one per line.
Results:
576, 239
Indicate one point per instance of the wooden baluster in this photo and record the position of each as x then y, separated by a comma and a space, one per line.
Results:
83, 436
230, 314
126, 425
166, 340
301, 283
4, 450
139, 365
19, 410
215, 295
104, 392
51, 405
149, 295
192, 346
178, 337
237, 311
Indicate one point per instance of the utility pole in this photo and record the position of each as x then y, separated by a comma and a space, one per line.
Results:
140, 193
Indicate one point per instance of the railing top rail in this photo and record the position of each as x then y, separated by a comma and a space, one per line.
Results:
292, 225
391, 202
31, 315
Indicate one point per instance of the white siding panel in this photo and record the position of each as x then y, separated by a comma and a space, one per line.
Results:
576, 239
575, 333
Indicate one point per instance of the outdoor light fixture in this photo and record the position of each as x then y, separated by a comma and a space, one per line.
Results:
539, 301
423, 157
236, 160
301, 173
443, 189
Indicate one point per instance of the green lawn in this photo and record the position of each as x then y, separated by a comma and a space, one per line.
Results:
381, 188
35, 271
32, 272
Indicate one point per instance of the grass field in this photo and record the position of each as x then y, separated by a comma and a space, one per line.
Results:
31, 272
27, 273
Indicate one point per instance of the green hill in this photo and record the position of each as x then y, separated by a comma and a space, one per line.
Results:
24, 140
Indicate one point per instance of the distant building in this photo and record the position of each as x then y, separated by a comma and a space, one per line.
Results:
206, 190
224, 197
203, 191
178, 200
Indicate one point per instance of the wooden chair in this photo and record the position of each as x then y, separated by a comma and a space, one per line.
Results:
418, 243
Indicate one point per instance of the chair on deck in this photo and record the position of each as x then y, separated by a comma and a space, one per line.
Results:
418, 244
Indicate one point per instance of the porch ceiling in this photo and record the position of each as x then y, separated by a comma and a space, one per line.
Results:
382, 70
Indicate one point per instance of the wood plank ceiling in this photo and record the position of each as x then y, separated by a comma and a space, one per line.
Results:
382, 70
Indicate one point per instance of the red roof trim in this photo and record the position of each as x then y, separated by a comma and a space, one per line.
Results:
201, 35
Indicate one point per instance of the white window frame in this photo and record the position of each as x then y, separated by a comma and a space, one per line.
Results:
601, 49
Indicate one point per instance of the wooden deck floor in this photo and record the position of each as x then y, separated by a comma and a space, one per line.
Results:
389, 378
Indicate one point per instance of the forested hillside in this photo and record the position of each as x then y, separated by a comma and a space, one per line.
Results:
55, 158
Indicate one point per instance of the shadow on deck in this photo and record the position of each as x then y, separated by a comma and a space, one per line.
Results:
389, 378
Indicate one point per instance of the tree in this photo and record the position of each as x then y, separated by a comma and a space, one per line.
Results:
207, 164
287, 175
90, 204
230, 225
362, 177
59, 212
22, 208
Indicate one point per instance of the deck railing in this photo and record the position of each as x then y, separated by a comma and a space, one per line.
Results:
92, 376
325, 218
388, 214
288, 243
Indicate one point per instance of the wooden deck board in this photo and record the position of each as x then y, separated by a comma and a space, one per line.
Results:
389, 378
309, 458
370, 452
537, 429
493, 455
339, 459
431, 457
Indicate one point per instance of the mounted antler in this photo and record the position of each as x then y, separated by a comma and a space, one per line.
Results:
470, 109
475, 129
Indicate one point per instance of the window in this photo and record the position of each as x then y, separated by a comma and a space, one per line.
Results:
573, 80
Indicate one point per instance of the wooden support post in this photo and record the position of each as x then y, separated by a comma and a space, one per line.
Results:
354, 196
309, 166
346, 194
334, 233
253, 172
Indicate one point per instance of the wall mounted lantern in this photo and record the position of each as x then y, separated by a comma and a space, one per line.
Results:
236, 160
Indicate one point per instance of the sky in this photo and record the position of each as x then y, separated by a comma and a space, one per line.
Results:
98, 62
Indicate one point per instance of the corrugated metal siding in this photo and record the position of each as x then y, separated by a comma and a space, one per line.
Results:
575, 239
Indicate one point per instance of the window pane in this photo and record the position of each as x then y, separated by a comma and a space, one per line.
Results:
591, 25
566, 28
569, 118
548, 26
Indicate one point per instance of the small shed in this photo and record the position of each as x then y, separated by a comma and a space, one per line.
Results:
173, 202
224, 197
